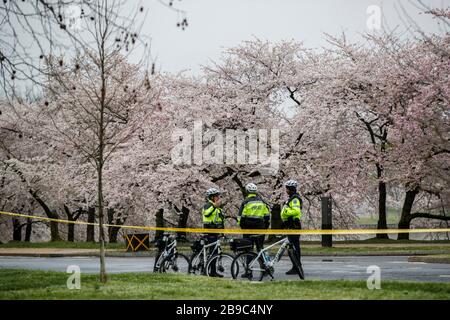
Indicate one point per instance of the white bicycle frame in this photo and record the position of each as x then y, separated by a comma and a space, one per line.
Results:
204, 252
284, 244
172, 246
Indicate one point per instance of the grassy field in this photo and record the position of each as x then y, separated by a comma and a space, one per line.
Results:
22, 284
392, 216
25, 284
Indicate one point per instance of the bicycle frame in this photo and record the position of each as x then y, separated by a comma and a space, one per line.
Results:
268, 264
170, 249
204, 250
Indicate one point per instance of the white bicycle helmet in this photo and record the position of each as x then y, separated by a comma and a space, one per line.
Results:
291, 183
212, 192
251, 188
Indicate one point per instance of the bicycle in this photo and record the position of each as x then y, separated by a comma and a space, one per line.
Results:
255, 266
169, 260
202, 262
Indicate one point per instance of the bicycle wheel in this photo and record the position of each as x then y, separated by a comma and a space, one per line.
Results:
196, 264
220, 265
245, 267
177, 263
297, 265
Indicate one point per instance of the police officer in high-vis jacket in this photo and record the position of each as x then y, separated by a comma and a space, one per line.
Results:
213, 219
254, 214
290, 215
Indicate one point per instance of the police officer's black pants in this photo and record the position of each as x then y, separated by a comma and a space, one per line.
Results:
295, 241
257, 240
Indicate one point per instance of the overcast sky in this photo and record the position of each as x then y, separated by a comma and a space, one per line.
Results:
218, 24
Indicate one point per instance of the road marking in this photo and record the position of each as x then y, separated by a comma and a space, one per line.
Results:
444, 275
347, 272
353, 266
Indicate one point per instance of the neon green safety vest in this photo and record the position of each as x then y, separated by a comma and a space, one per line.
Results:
254, 207
292, 208
211, 214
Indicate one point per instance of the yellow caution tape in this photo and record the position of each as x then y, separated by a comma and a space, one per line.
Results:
239, 231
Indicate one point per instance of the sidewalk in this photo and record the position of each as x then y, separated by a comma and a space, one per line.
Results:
441, 248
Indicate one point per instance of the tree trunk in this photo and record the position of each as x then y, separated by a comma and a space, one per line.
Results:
70, 226
17, 230
90, 229
71, 232
382, 221
405, 218
113, 234
182, 223
100, 161
112, 231
159, 223
54, 230
28, 230
50, 214
103, 277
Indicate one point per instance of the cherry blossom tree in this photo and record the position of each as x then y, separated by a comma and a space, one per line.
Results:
96, 101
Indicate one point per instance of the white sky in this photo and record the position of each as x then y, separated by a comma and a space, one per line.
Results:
218, 24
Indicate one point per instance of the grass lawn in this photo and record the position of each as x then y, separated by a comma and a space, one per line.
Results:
392, 217
25, 284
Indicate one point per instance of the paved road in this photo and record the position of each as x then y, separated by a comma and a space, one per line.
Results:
324, 268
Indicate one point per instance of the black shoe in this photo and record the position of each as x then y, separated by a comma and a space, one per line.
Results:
292, 271
216, 275
247, 275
